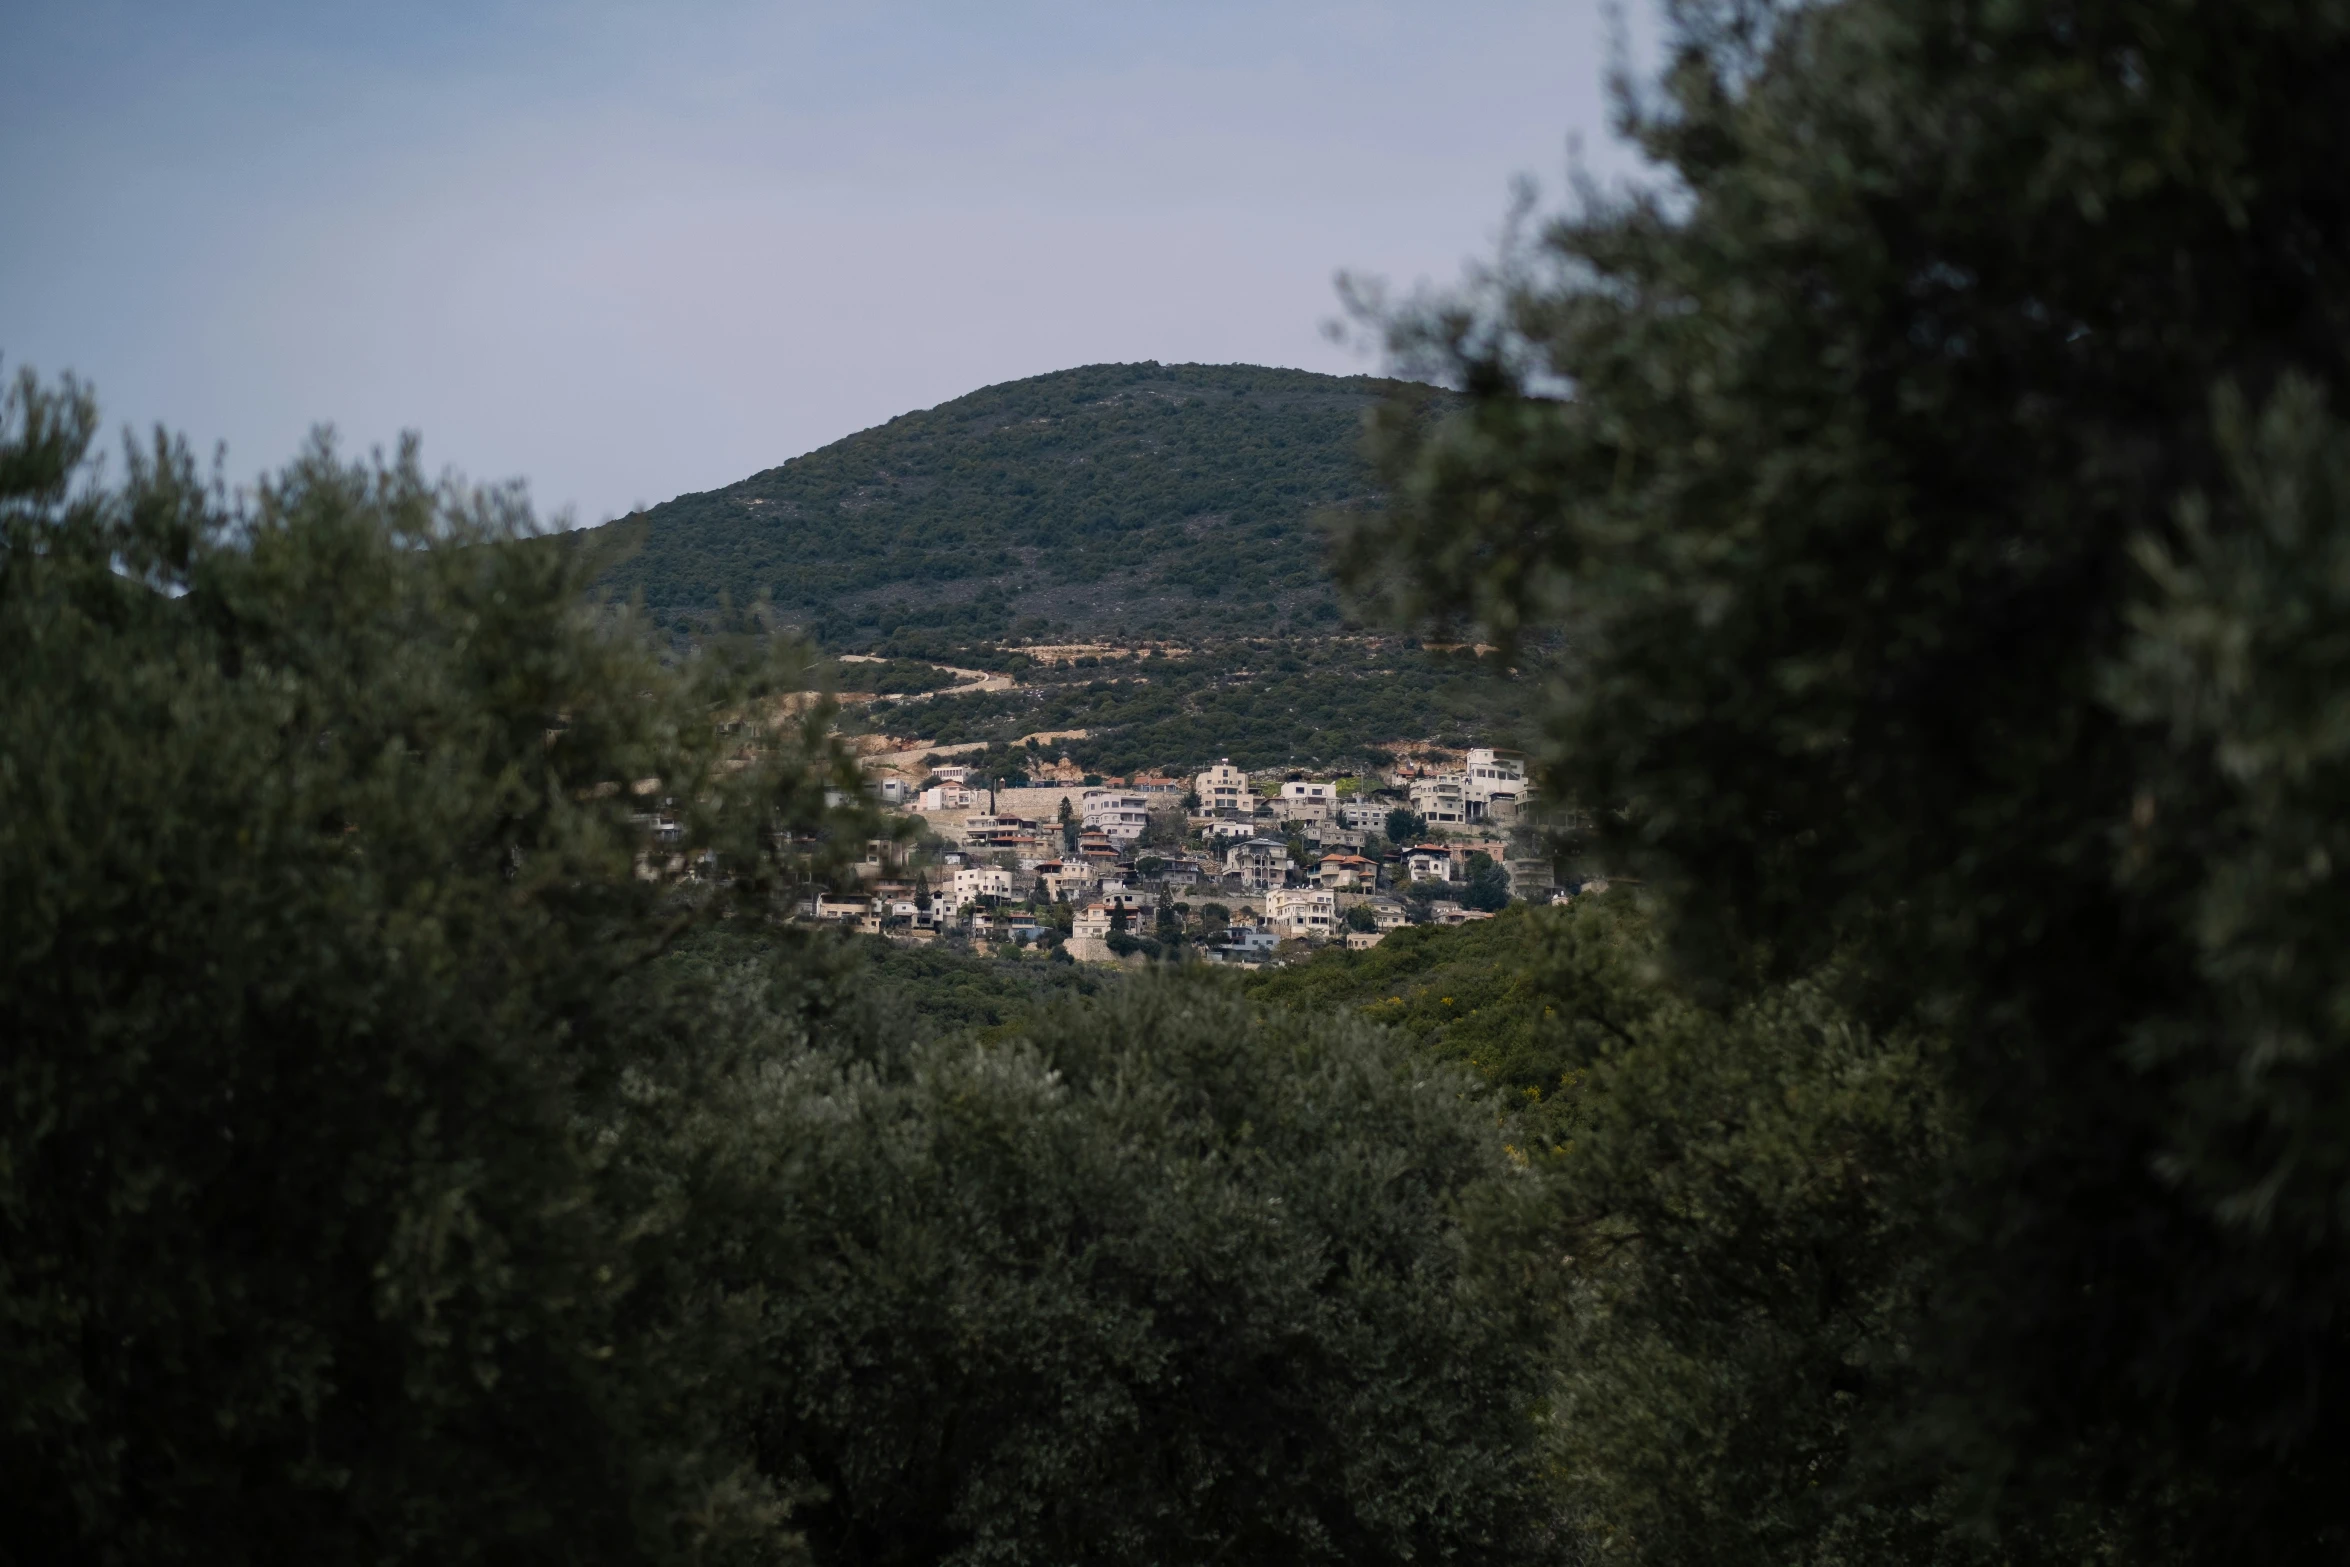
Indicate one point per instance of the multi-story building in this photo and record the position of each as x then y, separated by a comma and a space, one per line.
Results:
1243, 946
1348, 871
1000, 832
1306, 800
946, 797
1224, 787
1258, 862
1441, 799
1494, 778
1310, 912
829, 907
1121, 815
1066, 881
1363, 815
974, 882
1428, 862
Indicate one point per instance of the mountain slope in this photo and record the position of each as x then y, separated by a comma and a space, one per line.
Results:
1112, 499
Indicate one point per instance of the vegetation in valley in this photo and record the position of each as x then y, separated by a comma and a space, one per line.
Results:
1307, 702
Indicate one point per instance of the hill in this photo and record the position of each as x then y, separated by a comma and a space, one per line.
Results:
1111, 499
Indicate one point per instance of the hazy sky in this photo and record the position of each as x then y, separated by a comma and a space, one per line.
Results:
627, 251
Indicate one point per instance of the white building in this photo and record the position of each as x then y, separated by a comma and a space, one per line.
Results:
1493, 778
945, 797
974, 882
1118, 814
1311, 912
1428, 863
1363, 816
1224, 787
1441, 798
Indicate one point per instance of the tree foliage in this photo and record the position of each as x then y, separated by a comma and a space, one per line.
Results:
412, 1149
1739, 1230
1160, 1278
1937, 474
1088, 501
325, 960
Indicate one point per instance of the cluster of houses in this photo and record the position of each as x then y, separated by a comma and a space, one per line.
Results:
1239, 864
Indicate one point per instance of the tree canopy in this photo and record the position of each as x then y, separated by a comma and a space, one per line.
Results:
1937, 474
1099, 500
422, 1138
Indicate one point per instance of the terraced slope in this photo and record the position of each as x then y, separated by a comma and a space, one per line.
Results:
1121, 500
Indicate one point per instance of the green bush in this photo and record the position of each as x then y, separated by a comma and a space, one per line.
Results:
1162, 1278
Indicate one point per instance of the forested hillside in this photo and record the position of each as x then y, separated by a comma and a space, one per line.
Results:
1135, 499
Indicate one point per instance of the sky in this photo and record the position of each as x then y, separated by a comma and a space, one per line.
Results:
621, 252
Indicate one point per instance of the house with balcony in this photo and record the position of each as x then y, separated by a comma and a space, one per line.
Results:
946, 797
1224, 788
1494, 784
972, 883
1258, 862
1248, 948
1442, 799
1306, 800
1428, 862
1310, 913
829, 907
1346, 873
1121, 815
1066, 881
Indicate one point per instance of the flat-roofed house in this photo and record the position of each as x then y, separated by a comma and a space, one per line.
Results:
1121, 815
1224, 787
1443, 799
1309, 912
974, 882
1258, 862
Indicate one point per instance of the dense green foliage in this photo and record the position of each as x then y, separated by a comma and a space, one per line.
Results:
1737, 1196
1115, 499
1161, 1279
1944, 478
401, 1160
945, 989
1308, 702
322, 972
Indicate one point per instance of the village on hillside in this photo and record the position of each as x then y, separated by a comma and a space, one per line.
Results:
1225, 865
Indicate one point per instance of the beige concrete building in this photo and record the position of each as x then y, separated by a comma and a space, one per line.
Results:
1224, 787
1309, 912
